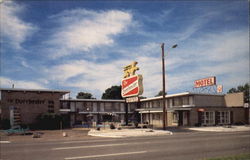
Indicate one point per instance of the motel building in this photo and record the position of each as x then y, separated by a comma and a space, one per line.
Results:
22, 106
195, 109
90, 112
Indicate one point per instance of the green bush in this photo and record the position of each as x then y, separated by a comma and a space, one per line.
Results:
48, 121
5, 124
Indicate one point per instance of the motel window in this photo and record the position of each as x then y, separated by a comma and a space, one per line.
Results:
156, 104
64, 105
224, 117
132, 107
147, 104
89, 106
153, 104
161, 104
185, 100
156, 116
175, 117
79, 106
177, 102
122, 106
94, 104
143, 105
191, 100
108, 107
150, 104
116, 107
173, 102
51, 108
208, 118
102, 107
72, 106
170, 103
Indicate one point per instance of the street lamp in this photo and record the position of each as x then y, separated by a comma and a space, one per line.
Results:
163, 86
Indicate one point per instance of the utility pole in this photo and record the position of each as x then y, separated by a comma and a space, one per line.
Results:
165, 119
163, 88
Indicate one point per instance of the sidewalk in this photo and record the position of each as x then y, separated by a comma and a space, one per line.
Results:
114, 133
48, 135
221, 128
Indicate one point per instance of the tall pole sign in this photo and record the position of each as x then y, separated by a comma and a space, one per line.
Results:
131, 83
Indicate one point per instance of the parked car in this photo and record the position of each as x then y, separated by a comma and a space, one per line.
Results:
17, 130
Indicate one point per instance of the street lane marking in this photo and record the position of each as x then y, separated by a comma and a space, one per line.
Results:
90, 141
4, 141
122, 144
106, 155
103, 145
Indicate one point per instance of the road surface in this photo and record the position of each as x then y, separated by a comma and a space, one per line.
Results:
180, 146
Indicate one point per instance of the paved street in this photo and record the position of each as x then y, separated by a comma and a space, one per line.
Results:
180, 146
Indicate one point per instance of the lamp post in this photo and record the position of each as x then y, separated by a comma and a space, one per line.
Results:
163, 86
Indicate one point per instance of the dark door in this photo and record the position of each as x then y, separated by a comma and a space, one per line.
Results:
180, 118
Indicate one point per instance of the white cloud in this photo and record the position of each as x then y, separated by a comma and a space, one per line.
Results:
228, 46
183, 65
6, 82
14, 29
87, 75
81, 30
225, 55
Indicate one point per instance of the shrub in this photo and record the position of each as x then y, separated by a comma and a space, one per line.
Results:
48, 121
5, 124
112, 126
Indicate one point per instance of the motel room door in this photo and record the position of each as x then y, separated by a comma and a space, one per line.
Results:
183, 118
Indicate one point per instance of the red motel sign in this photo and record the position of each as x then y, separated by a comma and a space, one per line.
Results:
210, 81
132, 86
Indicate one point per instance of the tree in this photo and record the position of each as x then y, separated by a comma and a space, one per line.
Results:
244, 89
114, 92
142, 97
84, 95
160, 93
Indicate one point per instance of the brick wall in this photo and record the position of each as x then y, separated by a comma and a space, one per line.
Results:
30, 103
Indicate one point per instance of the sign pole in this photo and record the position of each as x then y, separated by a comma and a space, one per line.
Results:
163, 88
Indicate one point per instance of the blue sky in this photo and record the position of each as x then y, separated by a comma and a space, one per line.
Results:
83, 45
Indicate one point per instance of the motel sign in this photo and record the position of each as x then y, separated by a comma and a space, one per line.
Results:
210, 81
132, 83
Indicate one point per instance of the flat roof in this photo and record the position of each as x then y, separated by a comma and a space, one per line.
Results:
93, 100
32, 90
180, 94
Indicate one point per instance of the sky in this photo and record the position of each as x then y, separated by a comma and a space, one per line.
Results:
84, 45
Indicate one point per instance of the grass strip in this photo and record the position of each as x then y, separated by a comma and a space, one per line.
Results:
235, 157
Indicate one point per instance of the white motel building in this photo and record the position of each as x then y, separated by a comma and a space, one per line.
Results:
182, 109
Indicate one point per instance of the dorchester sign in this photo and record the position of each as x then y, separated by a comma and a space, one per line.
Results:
132, 83
26, 101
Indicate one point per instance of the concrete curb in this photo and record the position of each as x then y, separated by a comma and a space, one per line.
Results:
128, 133
222, 129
